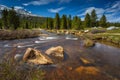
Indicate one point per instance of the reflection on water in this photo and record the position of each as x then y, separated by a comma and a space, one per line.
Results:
107, 53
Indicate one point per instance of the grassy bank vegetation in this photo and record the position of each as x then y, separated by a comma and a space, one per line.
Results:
11, 70
18, 34
111, 36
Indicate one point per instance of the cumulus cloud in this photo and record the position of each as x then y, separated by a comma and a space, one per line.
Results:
56, 10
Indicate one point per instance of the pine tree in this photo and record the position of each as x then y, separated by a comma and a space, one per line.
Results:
57, 21
26, 25
79, 24
13, 19
1, 24
64, 22
87, 20
69, 22
103, 21
5, 18
93, 18
76, 23
50, 23
47, 23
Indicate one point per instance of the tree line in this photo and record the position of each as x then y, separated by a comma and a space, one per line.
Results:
66, 22
12, 20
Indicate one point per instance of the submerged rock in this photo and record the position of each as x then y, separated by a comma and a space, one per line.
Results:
87, 70
85, 61
18, 57
88, 43
56, 52
36, 57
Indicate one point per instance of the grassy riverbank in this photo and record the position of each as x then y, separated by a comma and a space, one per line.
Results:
18, 34
99, 34
12, 70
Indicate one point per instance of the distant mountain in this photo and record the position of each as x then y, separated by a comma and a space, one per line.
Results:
21, 12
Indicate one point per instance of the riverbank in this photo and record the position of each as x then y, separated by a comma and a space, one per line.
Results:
19, 34
111, 37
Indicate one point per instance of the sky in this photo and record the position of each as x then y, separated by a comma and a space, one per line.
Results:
48, 8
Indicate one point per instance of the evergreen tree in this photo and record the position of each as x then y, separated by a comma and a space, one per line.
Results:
103, 21
13, 19
79, 23
69, 22
57, 21
64, 22
0, 24
26, 25
5, 18
50, 23
47, 22
76, 23
93, 18
87, 20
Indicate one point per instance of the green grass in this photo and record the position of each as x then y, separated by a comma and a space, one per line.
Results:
11, 70
114, 31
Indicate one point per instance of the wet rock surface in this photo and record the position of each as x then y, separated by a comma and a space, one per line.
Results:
56, 52
36, 57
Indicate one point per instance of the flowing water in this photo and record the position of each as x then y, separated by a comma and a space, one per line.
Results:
101, 55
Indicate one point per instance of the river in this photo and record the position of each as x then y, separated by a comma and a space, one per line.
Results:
106, 57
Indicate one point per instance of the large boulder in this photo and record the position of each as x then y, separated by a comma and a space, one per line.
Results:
36, 57
56, 52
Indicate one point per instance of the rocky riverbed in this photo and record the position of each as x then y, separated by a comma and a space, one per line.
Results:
101, 62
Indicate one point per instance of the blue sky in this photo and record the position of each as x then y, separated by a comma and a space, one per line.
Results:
48, 8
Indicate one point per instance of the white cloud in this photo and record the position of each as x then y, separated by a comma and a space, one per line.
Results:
65, 1
115, 7
116, 4
44, 2
112, 12
38, 2
99, 11
18, 7
56, 10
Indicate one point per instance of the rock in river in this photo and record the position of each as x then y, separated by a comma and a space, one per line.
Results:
36, 57
88, 43
18, 57
56, 52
